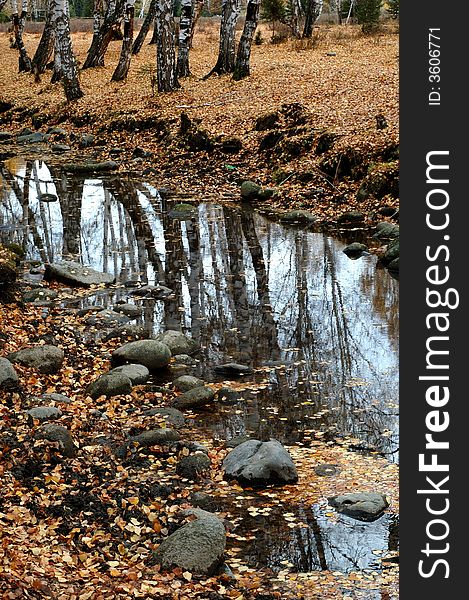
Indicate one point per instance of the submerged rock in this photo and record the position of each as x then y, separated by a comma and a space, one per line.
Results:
364, 506
257, 463
74, 273
47, 359
107, 318
197, 547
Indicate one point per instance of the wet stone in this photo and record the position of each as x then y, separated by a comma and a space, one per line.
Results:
107, 318
156, 437
185, 359
47, 359
39, 294
195, 398
172, 416
177, 342
193, 466
227, 395
74, 273
355, 250
186, 383
110, 384
129, 310
45, 413
138, 374
150, 353
233, 370
159, 292
8, 375
364, 506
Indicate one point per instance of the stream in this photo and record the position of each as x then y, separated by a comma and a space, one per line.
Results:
320, 330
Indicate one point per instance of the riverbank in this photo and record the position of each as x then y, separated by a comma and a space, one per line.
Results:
319, 124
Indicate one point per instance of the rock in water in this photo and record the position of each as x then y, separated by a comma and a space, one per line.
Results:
256, 463
232, 370
177, 342
47, 359
194, 398
364, 506
74, 273
186, 383
355, 250
197, 547
150, 353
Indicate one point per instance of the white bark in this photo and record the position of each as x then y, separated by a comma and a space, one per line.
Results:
226, 52
19, 19
165, 52
185, 27
64, 62
244, 50
123, 65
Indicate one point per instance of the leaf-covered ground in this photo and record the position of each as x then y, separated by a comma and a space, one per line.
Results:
85, 527
344, 80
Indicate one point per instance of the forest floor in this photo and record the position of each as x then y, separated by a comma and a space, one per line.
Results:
342, 81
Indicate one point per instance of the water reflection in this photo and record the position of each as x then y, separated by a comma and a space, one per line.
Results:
323, 327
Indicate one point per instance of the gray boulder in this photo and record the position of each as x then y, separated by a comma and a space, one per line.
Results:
227, 395
138, 374
386, 230
195, 398
44, 413
56, 398
177, 342
8, 375
107, 318
258, 463
110, 384
74, 273
186, 383
47, 359
129, 310
355, 250
250, 190
300, 217
39, 294
197, 547
156, 437
364, 506
191, 467
185, 359
58, 433
172, 416
150, 353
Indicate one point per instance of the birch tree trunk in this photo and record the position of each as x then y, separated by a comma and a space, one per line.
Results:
46, 46
97, 17
65, 65
19, 19
312, 13
165, 52
102, 39
124, 61
142, 34
244, 49
185, 27
197, 8
226, 52
295, 10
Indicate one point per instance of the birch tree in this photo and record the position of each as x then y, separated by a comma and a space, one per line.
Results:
97, 17
226, 53
142, 34
244, 49
165, 51
19, 19
197, 8
45, 48
101, 41
123, 65
295, 11
312, 13
185, 26
65, 66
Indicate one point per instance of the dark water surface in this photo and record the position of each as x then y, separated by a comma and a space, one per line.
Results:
320, 329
